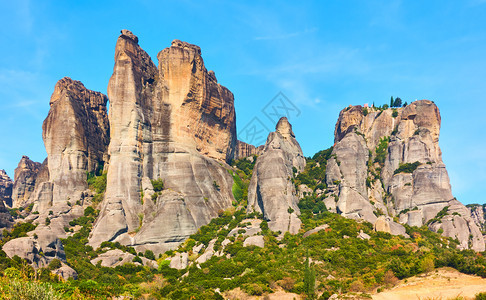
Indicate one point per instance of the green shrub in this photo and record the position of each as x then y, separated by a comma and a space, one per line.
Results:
381, 151
157, 184
407, 167
54, 264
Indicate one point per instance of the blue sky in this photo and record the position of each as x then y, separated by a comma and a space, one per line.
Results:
322, 55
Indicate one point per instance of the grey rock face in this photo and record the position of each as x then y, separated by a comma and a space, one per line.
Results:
271, 191
6, 185
173, 122
477, 214
245, 150
25, 178
66, 272
76, 136
369, 186
179, 261
5, 198
256, 240
30, 248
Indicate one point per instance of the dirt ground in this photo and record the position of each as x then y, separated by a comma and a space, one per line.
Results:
443, 284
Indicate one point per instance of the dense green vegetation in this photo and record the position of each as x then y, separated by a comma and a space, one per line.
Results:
314, 174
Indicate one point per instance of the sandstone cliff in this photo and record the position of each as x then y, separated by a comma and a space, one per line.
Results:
271, 191
172, 123
388, 161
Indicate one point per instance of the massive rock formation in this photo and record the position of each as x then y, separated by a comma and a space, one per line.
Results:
271, 191
173, 123
5, 198
25, 178
388, 161
76, 136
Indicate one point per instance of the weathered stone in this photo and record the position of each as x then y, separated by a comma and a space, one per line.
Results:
24, 181
6, 185
386, 224
37, 250
113, 258
66, 272
362, 235
315, 230
76, 136
208, 253
271, 191
459, 224
5, 198
246, 150
173, 123
179, 261
366, 186
256, 240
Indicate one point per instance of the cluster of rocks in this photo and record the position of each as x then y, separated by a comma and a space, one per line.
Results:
366, 187
174, 123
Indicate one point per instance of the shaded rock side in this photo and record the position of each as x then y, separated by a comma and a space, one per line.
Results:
246, 150
24, 181
406, 178
271, 191
5, 198
173, 123
76, 136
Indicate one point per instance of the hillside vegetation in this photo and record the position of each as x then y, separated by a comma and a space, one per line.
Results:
345, 257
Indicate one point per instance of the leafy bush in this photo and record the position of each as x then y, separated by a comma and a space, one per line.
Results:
157, 184
407, 167
381, 151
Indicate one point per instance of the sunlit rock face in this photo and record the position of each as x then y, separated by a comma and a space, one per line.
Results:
271, 191
367, 186
173, 122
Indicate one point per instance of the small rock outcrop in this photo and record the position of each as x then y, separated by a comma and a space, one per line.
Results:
173, 123
25, 178
388, 162
271, 191
246, 150
37, 250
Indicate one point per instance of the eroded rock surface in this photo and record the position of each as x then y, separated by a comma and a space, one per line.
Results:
246, 150
25, 178
271, 191
5, 199
388, 161
173, 123
76, 136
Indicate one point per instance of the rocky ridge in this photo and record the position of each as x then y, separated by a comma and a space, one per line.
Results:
388, 161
